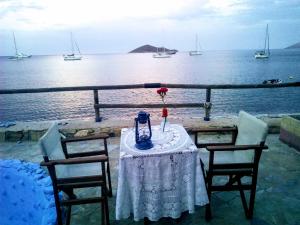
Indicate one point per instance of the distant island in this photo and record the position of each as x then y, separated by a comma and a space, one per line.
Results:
297, 45
150, 48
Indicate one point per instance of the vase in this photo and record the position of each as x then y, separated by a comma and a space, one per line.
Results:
164, 125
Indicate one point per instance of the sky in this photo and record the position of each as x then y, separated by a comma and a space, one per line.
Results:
43, 27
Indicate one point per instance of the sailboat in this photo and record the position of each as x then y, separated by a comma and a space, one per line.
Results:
266, 52
18, 55
73, 56
197, 48
162, 54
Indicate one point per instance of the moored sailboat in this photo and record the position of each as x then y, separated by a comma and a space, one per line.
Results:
18, 55
73, 56
264, 54
197, 48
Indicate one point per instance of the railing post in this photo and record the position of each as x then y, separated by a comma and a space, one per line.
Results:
97, 111
207, 105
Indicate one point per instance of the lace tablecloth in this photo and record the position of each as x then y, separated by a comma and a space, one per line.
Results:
163, 181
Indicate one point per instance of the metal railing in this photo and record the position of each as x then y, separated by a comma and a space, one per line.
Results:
97, 106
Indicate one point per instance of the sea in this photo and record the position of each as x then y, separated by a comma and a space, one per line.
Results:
212, 67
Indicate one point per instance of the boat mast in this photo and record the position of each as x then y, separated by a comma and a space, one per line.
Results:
15, 44
72, 43
266, 37
268, 40
77, 47
196, 43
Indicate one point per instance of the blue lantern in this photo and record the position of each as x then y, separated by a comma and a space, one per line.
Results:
143, 131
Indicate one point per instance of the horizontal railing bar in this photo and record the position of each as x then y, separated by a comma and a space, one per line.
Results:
232, 86
170, 105
148, 85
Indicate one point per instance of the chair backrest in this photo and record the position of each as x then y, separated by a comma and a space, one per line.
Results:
251, 131
50, 143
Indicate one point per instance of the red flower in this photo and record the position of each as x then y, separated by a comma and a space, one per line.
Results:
162, 91
164, 112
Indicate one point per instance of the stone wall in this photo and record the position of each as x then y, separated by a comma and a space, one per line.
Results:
32, 131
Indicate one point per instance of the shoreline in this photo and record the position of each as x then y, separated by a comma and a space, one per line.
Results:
32, 131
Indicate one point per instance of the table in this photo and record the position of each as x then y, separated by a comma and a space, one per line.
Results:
163, 181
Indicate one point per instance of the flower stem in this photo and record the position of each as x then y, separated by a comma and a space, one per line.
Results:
164, 124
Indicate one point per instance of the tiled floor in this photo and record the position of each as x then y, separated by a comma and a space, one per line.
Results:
277, 198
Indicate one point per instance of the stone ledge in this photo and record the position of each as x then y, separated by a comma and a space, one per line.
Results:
32, 131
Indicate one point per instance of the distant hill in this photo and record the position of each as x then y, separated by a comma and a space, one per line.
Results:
297, 45
149, 48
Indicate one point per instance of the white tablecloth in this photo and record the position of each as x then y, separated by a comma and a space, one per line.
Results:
163, 181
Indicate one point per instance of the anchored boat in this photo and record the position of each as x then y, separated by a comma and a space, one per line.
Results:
272, 81
18, 55
162, 54
197, 48
264, 54
73, 56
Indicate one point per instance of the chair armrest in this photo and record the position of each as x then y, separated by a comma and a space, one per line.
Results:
221, 129
64, 142
81, 160
86, 138
84, 154
205, 145
236, 147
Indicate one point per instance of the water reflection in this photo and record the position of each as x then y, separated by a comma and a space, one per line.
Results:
210, 68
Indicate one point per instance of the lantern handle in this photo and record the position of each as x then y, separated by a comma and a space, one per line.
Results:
149, 124
136, 131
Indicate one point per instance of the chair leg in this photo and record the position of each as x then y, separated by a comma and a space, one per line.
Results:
203, 171
108, 169
58, 210
56, 197
102, 213
146, 221
208, 182
242, 194
106, 211
253, 192
68, 219
251, 203
104, 206
109, 179
208, 214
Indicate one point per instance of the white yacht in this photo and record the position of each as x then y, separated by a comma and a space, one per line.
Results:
264, 54
197, 48
18, 55
162, 54
73, 56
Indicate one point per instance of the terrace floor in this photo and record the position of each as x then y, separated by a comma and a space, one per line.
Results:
277, 198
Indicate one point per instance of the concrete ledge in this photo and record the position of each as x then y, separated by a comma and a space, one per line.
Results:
290, 131
32, 131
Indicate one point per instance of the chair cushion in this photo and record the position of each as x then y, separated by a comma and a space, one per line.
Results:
50, 143
87, 169
251, 131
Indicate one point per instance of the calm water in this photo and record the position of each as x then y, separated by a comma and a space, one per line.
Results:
213, 67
